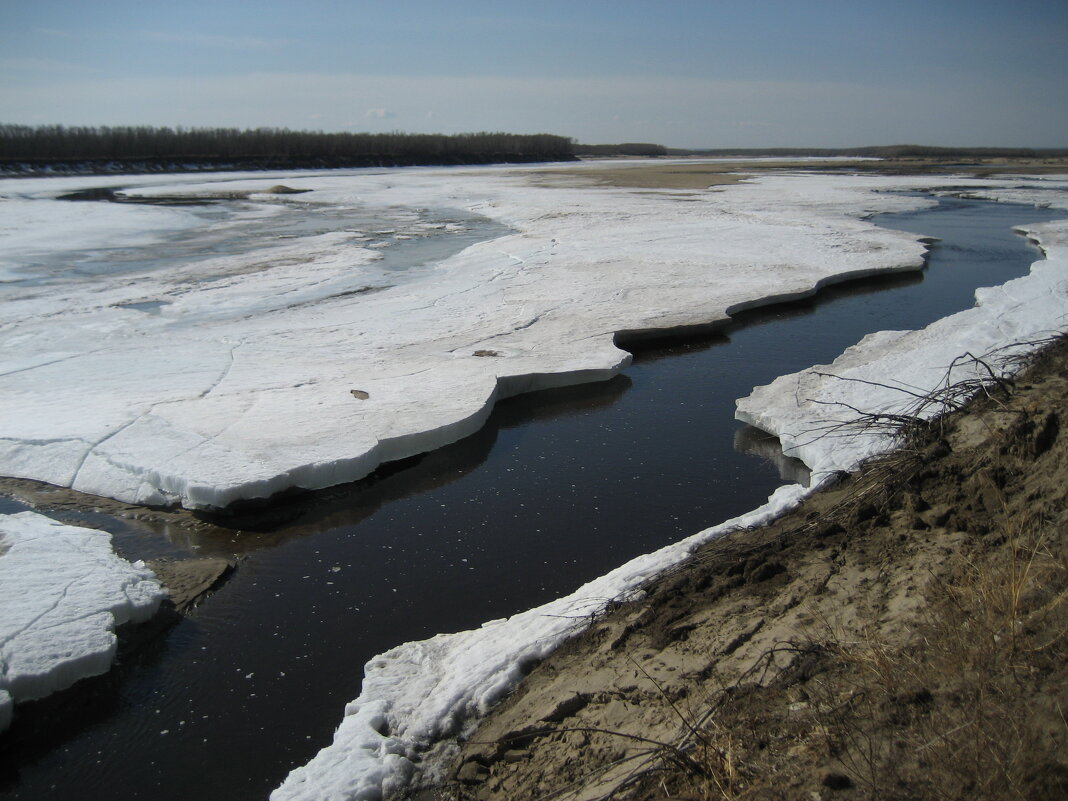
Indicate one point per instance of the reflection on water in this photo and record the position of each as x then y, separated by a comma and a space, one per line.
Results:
754, 442
307, 513
558, 488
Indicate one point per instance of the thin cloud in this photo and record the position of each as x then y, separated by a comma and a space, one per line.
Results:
55, 32
213, 40
46, 66
379, 114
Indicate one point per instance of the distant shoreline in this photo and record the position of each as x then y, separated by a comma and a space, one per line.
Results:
976, 162
39, 168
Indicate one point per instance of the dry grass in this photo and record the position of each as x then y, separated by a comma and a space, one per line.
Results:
970, 706
934, 667
965, 707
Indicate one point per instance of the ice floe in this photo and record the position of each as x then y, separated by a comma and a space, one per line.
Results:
62, 591
231, 377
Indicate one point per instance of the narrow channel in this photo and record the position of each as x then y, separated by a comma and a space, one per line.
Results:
559, 487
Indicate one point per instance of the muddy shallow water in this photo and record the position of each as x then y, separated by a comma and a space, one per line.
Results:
558, 488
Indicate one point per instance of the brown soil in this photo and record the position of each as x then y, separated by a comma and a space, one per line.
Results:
189, 580
900, 636
653, 174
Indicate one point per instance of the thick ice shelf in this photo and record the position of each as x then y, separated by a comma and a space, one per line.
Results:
62, 591
232, 377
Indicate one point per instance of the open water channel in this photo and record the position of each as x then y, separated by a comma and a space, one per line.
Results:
558, 488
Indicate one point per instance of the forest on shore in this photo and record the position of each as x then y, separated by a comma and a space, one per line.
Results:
58, 148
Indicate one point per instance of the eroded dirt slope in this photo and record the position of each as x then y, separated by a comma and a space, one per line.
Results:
901, 636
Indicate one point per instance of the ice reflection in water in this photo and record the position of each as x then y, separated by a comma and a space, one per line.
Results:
754, 442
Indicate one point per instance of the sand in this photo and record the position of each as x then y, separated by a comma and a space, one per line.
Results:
188, 581
683, 175
657, 175
902, 635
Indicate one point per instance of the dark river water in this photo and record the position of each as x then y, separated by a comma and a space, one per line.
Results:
558, 488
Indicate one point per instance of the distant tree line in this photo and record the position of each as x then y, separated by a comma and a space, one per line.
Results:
218, 148
624, 149
881, 151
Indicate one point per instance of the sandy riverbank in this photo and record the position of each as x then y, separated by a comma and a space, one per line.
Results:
682, 174
901, 635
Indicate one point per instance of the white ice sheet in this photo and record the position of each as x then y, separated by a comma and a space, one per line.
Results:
238, 382
814, 412
62, 591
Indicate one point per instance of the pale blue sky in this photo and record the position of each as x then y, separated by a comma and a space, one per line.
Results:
824, 73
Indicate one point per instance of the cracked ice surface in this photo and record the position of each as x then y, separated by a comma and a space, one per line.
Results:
240, 381
62, 591
886, 370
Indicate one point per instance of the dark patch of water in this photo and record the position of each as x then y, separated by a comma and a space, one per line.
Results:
558, 488
9, 506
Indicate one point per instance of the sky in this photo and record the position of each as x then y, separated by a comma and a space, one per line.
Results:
762, 73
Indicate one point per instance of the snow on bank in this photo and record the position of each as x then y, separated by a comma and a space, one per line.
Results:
884, 372
301, 363
419, 695
62, 591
